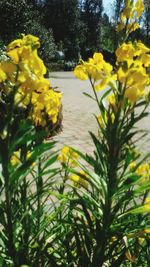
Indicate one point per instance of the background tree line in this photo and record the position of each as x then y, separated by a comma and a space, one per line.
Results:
73, 26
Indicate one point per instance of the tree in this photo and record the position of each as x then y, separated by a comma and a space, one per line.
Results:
15, 17
146, 19
48, 48
107, 34
118, 5
91, 15
63, 17
18, 17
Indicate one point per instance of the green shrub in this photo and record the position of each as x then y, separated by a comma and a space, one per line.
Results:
48, 47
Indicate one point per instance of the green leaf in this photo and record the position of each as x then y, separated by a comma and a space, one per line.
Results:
105, 95
88, 95
139, 210
49, 162
142, 188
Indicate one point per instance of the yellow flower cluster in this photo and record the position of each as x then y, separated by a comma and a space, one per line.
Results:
80, 179
129, 17
68, 157
142, 170
103, 121
97, 69
25, 71
15, 159
133, 60
146, 206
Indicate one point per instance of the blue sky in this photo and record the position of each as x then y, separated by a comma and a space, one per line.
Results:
108, 6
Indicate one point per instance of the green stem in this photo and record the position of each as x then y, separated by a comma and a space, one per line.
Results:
94, 91
10, 230
39, 186
5, 171
113, 160
39, 193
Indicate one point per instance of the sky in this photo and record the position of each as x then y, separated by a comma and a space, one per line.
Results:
108, 6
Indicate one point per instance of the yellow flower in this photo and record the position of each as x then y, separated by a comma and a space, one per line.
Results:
122, 75
80, 72
137, 77
15, 44
129, 16
141, 240
108, 117
24, 52
31, 40
38, 116
146, 206
140, 48
112, 117
112, 101
120, 26
26, 40
136, 81
29, 154
21, 100
125, 52
15, 159
8, 67
103, 84
17, 54
107, 68
48, 102
52, 101
132, 27
144, 171
10, 71
2, 75
128, 12
145, 59
133, 94
139, 8
26, 70
80, 179
100, 121
98, 58
96, 69
68, 157
132, 165
36, 64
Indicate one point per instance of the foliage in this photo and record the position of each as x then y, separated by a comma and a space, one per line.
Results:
91, 15
66, 26
24, 17
107, 30
118, 5
107, 222
27, 103
81, 27
48, 47
93, 210
146, 20
14, 18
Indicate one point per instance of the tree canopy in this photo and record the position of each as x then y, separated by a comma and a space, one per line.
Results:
73, 26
